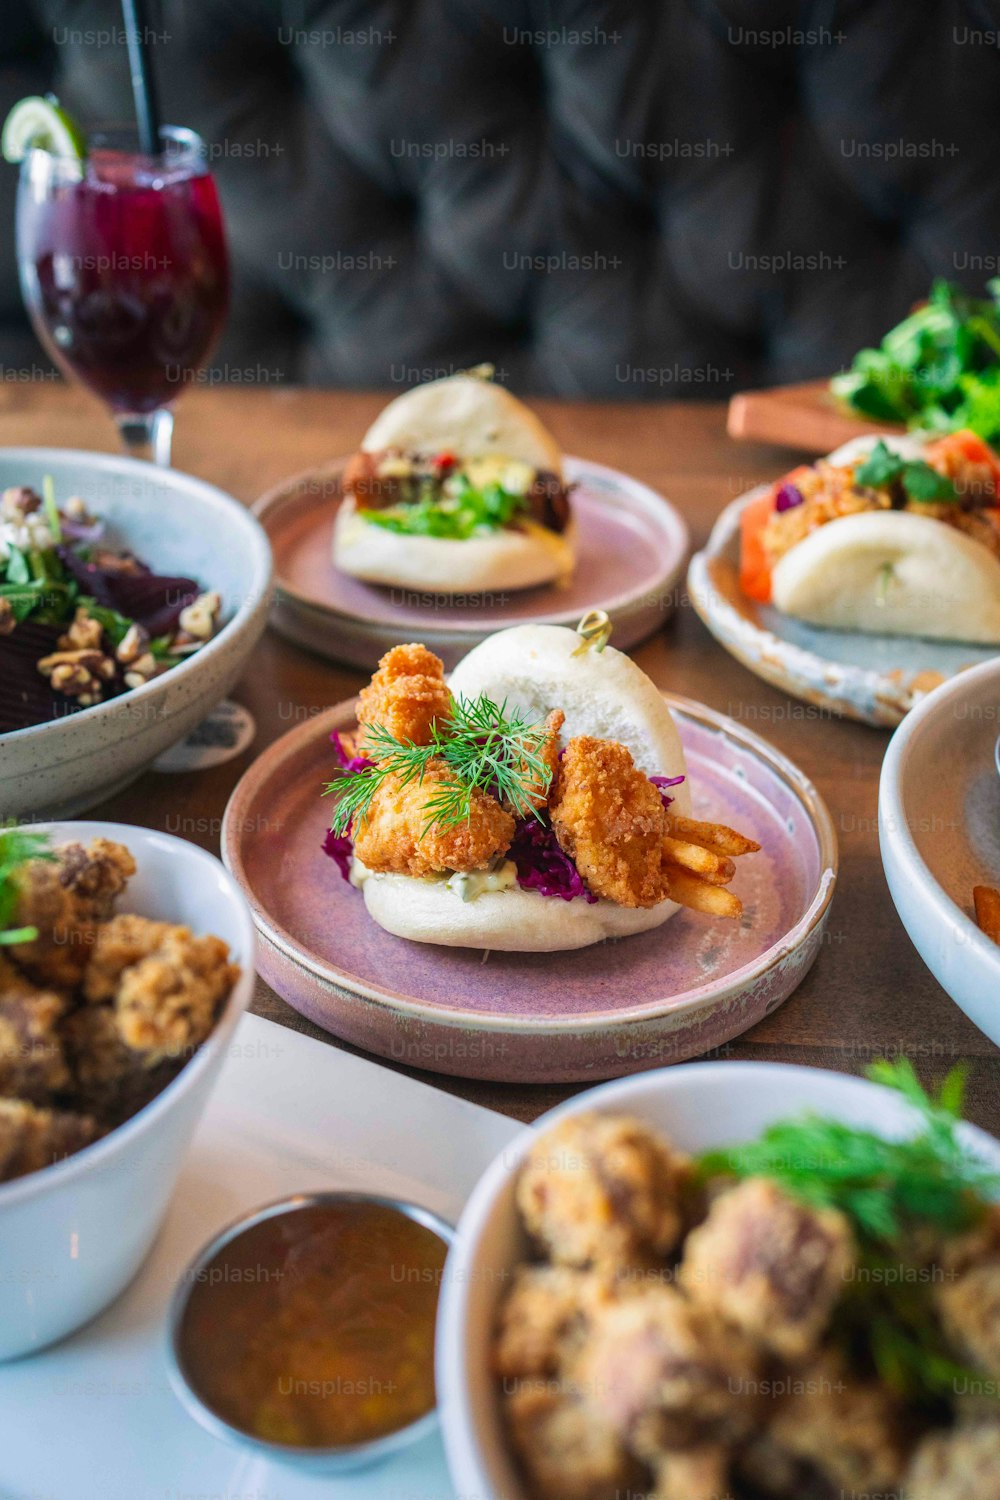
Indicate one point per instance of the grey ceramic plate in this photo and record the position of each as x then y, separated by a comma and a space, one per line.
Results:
181, 526
874, 678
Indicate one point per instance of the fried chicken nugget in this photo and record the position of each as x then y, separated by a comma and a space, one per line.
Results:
539, 789
609, 818
65, 899
406, 696
394, 837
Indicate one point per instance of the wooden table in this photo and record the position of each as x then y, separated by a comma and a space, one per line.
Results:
868, 996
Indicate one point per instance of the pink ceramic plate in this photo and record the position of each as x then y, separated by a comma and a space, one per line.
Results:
615, 1008
632, 549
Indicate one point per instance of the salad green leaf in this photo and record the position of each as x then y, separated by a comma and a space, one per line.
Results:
883, 468
457, 512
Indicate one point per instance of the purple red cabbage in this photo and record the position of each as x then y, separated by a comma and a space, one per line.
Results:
542, 865
663, 781
339, 847
788, 497
84, 533
348, 762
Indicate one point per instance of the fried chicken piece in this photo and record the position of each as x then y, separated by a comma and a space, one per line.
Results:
603, 1190
848, 1428
32, 1138
963, 1464
769, 1265
406, 697
110, 1080
968, 1304
32, 1061
65, 899
667, 1375
394, 838
610, 820
544, 1319
566, 1450
538, 790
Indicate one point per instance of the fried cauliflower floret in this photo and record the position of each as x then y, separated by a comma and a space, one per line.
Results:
698, 1474
119, 943
603, 1190
65, 899
394, 837
566, 1451
610, 820
665, 1374
544, 1318
32, 1062
968, 1304
406, 696
770, 1266
32, 1138
963, 1464
166, 1004
846, 1427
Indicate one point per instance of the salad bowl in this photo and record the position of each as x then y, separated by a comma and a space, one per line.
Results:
179, 525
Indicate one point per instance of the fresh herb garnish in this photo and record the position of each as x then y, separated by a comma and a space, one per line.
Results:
936, 369
882, 468
890, 1191
17, 847
486, 746
455, 512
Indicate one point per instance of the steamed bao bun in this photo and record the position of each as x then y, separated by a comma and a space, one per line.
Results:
475, 420
604, 694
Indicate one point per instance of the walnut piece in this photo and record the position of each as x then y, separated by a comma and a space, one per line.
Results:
200, 618
78, 674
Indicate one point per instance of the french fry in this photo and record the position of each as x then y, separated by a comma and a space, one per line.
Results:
987, 904
688, 890
713, 867
711, 836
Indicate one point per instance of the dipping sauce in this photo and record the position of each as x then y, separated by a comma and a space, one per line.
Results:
315, 1327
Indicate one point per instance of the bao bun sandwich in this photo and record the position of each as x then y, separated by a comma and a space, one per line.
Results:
893, 536
524, 805
458, 488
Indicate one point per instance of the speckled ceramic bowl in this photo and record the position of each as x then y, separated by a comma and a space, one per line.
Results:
179, 525
939, 831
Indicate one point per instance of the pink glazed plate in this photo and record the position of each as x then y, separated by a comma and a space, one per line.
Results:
618, 1007
632, 549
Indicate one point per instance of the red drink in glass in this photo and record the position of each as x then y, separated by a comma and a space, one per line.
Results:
124, 269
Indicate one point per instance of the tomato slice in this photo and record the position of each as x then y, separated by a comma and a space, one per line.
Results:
755, 570
959, 451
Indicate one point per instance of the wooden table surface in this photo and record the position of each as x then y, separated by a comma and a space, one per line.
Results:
868, 996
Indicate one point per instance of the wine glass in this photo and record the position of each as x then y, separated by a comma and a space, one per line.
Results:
123, 267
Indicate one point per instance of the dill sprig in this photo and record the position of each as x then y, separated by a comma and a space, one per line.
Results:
889, 1190
17, 847
488, 747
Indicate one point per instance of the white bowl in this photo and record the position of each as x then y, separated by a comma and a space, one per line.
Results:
180, 526
698, 1106
73, 1235
939, 832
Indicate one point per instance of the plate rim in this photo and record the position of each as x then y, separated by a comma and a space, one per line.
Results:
736, 982
878, 699
661, 511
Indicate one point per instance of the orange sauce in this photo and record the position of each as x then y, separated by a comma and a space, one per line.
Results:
316, 1327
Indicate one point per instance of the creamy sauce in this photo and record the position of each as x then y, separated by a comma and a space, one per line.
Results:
467, 886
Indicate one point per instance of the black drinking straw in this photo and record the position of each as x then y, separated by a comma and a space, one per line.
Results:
147, 109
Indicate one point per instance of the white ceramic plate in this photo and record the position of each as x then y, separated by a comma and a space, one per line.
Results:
874, 678
939, 832
699, 1106
94, 1418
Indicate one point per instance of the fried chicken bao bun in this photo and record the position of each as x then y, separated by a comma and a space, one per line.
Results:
891, 572
475, 420
536, 668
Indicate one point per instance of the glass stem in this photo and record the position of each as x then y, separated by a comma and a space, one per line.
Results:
148, 435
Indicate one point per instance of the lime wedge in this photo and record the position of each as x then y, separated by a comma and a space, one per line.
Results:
43, 125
